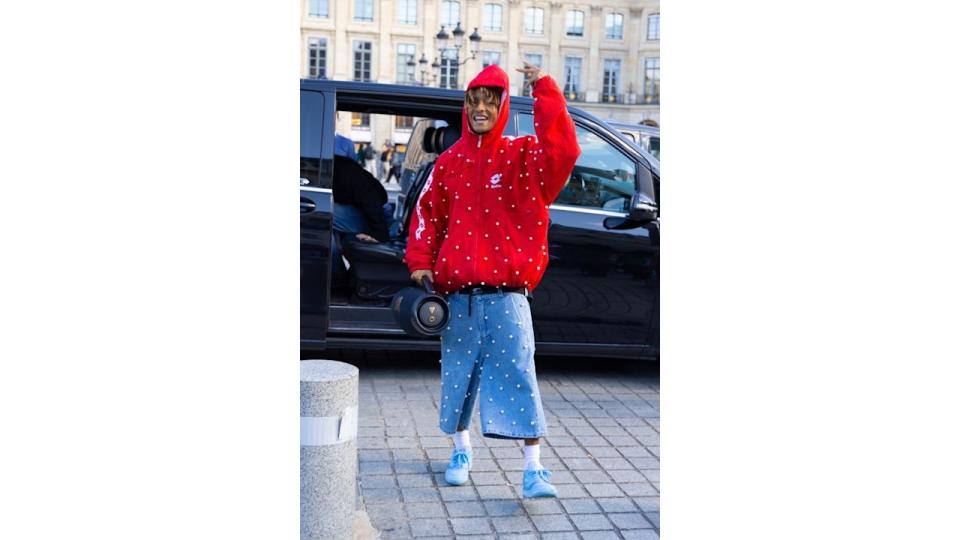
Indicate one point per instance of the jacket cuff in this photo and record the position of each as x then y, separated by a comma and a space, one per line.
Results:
537, 82
413, 266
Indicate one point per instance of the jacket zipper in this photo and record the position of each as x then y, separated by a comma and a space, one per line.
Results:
476, 203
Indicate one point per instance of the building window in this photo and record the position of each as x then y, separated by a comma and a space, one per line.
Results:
653, 27
493, 17
407, 12
535, 59
571, 77
574, 23
611, 80
406, 52
404, 122
651, 80
449, 13
449, 69
533, 20
319, 9
360, 120
614, 26
363, 10
490, 57
317, 58
362, 54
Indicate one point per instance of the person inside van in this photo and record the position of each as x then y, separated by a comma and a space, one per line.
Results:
344, 146
360, 208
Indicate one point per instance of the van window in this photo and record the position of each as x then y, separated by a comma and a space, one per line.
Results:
603, 177
655, 146
311, 137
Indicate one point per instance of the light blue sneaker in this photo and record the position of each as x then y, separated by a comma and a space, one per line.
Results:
458, 472
536, 483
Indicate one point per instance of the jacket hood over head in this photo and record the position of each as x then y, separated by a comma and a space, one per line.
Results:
494, 76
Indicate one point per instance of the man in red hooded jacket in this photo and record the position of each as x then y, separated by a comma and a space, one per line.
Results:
479, 232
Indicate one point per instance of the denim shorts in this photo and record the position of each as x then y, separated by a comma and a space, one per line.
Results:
487, 355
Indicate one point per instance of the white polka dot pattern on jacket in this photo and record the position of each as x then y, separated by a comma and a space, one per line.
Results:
498, 185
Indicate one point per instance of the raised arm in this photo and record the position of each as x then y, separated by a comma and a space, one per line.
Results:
556, 150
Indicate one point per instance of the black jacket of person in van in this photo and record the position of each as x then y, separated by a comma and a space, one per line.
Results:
353, 185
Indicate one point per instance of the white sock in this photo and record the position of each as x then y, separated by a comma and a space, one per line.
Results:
461, 439
531, 457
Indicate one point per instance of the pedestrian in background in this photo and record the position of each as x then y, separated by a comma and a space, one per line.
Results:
384, 164
370, 160
396, 162
479, 232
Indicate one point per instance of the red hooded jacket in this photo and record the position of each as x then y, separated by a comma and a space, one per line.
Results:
482, 215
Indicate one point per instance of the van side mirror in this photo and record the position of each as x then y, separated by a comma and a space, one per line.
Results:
643, 208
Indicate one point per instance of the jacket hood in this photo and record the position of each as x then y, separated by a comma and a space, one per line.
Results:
491, 75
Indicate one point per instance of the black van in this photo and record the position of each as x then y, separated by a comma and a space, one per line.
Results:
600, 295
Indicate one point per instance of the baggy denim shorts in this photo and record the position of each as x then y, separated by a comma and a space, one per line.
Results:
487, 355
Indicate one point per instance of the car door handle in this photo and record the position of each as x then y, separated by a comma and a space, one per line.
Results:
307, 206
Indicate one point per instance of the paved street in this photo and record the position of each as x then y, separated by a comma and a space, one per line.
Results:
393, 191
603, 450
393, 186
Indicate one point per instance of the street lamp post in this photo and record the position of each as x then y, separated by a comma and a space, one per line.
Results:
450, 56
426, 77
446, 51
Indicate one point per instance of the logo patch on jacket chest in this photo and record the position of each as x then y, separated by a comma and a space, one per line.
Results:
495, 181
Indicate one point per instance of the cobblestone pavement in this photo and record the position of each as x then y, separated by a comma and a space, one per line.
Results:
603, 450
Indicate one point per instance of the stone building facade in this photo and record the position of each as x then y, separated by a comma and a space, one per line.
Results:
606, 55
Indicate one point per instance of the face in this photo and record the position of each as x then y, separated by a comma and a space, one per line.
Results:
482, 115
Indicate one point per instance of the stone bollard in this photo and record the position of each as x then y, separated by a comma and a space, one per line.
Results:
328, 449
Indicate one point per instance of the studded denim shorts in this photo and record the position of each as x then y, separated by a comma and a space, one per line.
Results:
487, 355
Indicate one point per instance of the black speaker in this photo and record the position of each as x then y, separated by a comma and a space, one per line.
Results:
420, 311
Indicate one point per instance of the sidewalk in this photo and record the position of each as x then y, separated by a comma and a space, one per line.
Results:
602, 423
392, 186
